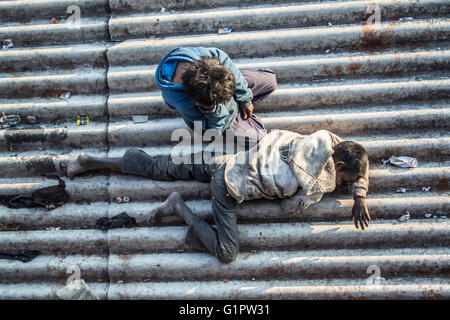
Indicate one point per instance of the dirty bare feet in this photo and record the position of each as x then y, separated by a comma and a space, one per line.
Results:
174, 204
77, 166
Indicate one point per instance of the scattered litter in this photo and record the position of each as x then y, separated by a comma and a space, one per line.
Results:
139, 118
120, 281
54, 20
330, 24
426, 189
126, 199
7, 43
53, 228
31, 119
404, 162
406, 19
180, 250
172, 10
64, 95
122, 220
443, 217
402, 190
24, 256
225, 281
119, 200
163, 10
225, 30
405, 217
213, 7
10, 121
253, 279
435, 217
328, 51
77, 290
82, 120
428, 215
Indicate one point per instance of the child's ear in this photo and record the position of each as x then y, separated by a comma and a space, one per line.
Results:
338, 165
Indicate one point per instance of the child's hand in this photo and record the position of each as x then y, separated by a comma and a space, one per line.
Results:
248, 112
360, 213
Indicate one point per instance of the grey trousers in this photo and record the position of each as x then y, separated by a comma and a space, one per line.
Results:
220, 240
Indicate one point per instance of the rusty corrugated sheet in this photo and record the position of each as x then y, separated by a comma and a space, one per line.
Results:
385, 85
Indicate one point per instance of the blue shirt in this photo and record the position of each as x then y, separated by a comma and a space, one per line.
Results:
222, 116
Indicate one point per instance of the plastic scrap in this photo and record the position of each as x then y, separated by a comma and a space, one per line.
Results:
31, 119
53, 228
404, 162
64, 95
10, 121
428, 215
82, 120
77, 290
54, 20
426, 189
402, 190
139, 118
225, 30
172, 10
330, 24
405, 217
7, 43
126, 199
443, 217
163, 10
406, 19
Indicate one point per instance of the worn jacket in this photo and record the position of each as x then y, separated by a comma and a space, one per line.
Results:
222, 116
285, 163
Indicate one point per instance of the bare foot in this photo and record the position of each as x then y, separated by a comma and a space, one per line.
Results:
173, 205
77, 166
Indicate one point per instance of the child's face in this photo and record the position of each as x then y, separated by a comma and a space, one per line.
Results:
341, 175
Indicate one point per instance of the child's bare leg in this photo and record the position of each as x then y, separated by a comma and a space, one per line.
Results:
85, 163
174, 204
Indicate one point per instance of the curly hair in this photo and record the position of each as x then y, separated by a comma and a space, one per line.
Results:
208, 82
353, 155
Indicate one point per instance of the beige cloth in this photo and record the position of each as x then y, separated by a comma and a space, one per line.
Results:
285, 163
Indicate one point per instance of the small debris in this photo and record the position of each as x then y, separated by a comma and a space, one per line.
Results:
225, 281
426, 189
225, 30
31, 119
171, 11
404, 162
139, 118
428, 215
163, 10
120, 281
119, 200
402, 190
82, 120
77, 290
7, 43
435, 217
328, 51
64, 95
443, 217
53, 229
330, 24
10, 121
405, 217
126, 199
180, 250
406, 19
54, 20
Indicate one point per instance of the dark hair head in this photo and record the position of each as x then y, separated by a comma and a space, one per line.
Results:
209, 82
353, 155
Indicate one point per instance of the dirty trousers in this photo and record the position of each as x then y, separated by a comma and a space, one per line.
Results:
220, 240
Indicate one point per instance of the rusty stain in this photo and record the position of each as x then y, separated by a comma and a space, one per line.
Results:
442, 185
354, 66
124, 257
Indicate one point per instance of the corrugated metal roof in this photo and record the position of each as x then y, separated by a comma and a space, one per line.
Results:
385, 85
